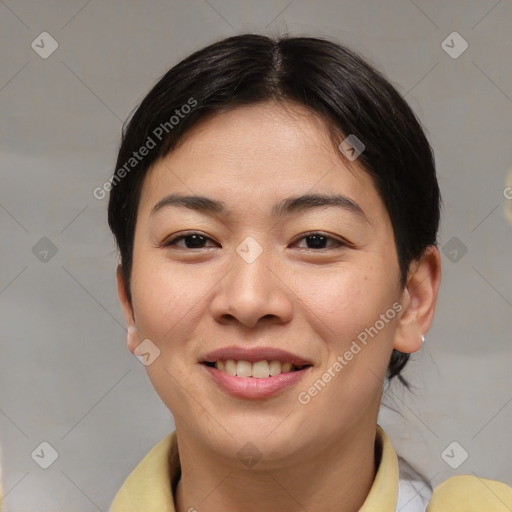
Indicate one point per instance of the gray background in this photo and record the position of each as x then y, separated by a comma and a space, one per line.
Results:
67, 377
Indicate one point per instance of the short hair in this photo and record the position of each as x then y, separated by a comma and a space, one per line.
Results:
327, 78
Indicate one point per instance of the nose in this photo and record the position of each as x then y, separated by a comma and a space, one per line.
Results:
253, 292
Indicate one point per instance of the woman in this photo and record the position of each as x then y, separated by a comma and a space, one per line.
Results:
276, 206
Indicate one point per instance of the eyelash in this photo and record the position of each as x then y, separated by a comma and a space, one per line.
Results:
340, 243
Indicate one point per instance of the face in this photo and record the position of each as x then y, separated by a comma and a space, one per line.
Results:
261, 277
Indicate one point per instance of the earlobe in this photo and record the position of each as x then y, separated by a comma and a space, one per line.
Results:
419, 301
131, 337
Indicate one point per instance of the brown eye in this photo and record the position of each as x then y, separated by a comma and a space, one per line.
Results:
320, 241
191, 241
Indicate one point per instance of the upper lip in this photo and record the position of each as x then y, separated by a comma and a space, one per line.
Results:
254, 354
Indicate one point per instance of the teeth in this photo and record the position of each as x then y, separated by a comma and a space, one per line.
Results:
260, 370
230, 367
274, 368
257, 370
286, 367
244, 369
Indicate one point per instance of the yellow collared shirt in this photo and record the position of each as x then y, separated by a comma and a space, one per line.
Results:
150, 487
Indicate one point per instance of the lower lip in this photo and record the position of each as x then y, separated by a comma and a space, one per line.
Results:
250, 387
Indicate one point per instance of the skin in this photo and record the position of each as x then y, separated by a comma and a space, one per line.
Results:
312, 302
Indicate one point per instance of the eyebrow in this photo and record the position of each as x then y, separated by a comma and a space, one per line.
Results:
285, 207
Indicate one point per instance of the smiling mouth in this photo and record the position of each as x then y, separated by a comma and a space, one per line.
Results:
257, 370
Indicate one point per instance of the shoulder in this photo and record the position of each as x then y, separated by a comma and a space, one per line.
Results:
148, 487
468, 493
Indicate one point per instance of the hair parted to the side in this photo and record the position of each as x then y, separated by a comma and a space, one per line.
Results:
328, 78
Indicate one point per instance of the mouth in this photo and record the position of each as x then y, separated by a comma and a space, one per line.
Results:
262, 369
254, 373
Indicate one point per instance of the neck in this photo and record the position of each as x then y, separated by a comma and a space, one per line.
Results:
338, 477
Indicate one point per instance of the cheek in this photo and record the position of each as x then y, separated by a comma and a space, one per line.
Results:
345, 302
167, 302
168, 307
346, 312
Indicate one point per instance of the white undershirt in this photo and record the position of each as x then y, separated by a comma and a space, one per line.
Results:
414, 492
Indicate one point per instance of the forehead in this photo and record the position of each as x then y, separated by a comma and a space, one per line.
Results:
255, 155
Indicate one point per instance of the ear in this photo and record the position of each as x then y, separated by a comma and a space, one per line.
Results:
419, 301
126, 305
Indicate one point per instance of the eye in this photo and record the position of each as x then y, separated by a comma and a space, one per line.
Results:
193, 240
319, 240
196, 240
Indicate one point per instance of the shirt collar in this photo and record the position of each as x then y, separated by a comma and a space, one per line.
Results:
151, 486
